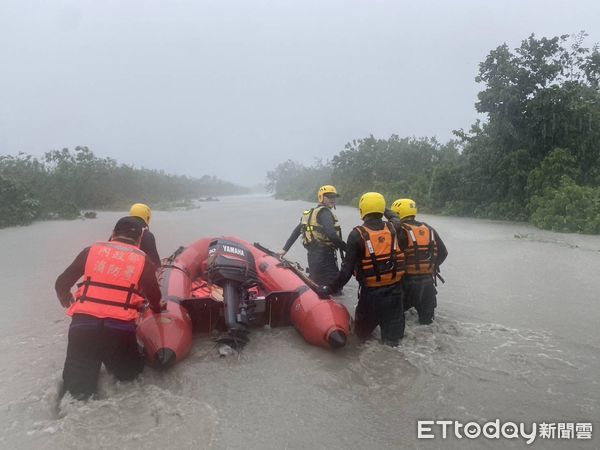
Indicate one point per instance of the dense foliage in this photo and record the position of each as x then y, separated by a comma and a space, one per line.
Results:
535, 157
65, 182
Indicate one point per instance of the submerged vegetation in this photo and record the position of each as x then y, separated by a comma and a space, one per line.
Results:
63, 183
535, 157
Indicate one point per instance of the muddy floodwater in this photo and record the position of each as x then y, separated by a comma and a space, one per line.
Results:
516, 338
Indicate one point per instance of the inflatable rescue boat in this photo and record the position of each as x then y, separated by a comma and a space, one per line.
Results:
228, 285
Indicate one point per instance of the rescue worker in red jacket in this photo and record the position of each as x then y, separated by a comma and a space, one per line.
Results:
117, 277
374, 256
321, 236
424, 252
148, 244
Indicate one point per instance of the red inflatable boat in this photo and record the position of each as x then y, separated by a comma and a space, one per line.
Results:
230, 285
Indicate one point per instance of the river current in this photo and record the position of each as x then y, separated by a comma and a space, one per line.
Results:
516, 338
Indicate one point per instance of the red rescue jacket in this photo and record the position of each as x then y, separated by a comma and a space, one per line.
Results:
110, 287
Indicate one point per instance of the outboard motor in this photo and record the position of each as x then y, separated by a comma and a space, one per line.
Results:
232, 266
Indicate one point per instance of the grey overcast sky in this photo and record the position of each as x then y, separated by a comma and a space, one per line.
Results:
232, 88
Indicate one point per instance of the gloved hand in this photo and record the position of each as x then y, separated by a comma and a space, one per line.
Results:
161, 307
323, 291
281, 253
66, 301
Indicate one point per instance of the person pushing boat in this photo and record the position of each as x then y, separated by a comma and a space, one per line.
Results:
117, 278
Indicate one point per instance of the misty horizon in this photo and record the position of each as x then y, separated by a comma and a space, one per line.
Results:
233, 89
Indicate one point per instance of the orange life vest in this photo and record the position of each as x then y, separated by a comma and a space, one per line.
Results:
111, 282
383, 262
422, 252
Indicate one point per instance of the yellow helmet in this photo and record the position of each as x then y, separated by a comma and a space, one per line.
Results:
404, 207
371, 202
142, 211
327, 189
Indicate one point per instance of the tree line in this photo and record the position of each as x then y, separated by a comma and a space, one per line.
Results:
64, 182
535, 156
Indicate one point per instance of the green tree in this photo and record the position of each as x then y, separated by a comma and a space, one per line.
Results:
541, 96
65, 182
534, 155
17, 204
567, 207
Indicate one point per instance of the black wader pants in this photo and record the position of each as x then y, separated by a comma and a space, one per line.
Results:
322, 264
381, 306
93, 341
420, 292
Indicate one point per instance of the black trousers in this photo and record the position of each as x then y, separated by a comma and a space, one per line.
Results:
93, 341
381, 306
420, 293
322, 264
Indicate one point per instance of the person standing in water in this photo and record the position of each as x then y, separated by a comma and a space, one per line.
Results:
375, 257
117, 278
425, 252
321, 236
143, 213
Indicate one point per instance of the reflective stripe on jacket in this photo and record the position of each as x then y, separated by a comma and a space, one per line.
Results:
110, 287
383, 261
421, 253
